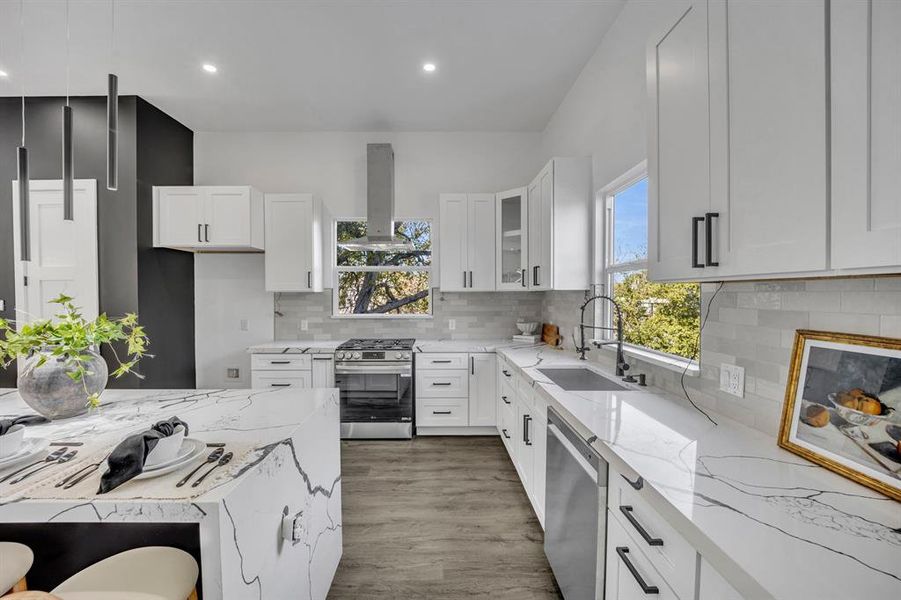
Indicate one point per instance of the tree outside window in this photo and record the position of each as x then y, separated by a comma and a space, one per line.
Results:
663, 317
375, 284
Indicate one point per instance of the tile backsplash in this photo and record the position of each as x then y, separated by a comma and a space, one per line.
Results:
752, 324
477, 315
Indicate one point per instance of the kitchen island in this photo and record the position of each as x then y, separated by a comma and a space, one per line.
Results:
286, 468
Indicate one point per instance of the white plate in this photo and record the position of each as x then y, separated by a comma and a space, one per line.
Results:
183, 451
31, 447
189, 451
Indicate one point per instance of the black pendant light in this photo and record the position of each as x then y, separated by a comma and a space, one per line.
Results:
22, 160
112, 112
68, 170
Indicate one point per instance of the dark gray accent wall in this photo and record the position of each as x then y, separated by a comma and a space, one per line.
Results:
124, 218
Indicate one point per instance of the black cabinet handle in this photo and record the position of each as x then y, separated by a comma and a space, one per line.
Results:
709, 245
506, 372
504, 398
310, 279
470, 280
199, 233
647, 589
464, 279
528, 437
652, 541
279, 385
279, 362
322, 358
441, 412
535, 275
694, 243
637, 484
523, 278
441, 383
506, 435
206, 232
440, 362
472, 365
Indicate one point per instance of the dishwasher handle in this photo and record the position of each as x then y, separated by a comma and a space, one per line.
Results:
578, 456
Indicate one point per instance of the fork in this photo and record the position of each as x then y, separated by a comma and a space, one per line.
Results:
62, 459
52, 457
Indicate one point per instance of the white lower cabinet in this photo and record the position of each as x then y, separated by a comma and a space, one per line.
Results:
630, 573
455, 393
280, 379
323, 371
712, 586
286, 370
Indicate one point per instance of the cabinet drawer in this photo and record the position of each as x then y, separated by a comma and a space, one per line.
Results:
280, 362
667, 550
630, 573
275, 379
442, 412
442, 384
442, 361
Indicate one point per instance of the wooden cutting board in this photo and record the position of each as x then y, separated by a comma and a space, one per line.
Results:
550, 334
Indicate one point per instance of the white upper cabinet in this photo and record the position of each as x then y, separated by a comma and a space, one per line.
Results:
737, 141
560, 226
512, 239
866, 134
768, 123
678, 143
466, 242
208, 218
294, 225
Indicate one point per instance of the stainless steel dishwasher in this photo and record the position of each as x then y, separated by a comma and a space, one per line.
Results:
575, 512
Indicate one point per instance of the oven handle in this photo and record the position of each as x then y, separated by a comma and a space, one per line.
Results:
373, 369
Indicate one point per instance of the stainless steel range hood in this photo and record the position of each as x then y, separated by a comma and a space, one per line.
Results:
379, 204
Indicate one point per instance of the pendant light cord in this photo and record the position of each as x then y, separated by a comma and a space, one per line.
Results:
22, 61
67, 52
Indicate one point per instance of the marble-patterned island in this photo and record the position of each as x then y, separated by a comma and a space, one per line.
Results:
286, 468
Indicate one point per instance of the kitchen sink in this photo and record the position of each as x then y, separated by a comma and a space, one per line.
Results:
580, 379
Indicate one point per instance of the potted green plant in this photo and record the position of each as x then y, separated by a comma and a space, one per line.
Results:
63, 373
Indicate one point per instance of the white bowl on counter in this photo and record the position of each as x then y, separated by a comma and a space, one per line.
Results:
166, 448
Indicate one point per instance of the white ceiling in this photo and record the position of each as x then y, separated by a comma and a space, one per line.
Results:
503, 65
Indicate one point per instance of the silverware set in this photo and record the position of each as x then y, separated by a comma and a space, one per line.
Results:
57, 457
218, 456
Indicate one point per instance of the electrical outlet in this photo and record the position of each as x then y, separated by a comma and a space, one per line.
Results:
244, 325
304, 325
732, 379
232, 373
451, 324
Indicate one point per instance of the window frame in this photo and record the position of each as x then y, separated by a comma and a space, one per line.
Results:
337, 270
606, 269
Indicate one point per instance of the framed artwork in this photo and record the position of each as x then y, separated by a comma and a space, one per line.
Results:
843, 406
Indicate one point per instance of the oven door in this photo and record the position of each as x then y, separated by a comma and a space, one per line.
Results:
376, 394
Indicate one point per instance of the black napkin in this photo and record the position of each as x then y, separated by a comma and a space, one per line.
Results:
5, 424
127, 459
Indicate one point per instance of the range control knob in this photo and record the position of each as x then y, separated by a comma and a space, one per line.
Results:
357, 355
339, 355
398, 355
406, 355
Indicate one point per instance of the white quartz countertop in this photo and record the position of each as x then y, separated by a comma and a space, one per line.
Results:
436, 345
251, 424
772, 523
296, 347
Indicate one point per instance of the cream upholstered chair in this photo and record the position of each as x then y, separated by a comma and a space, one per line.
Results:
150, 573
15, 561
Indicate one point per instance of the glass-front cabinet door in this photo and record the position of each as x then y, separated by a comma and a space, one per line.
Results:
512, 243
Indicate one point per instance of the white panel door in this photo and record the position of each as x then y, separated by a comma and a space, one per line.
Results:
483, 390
453, 242
180, 216
323, 371
289, 242
541, 231
678, 142
512, 239
63, 253
536, 231
866, 134
768, 85
480, 246
227, 216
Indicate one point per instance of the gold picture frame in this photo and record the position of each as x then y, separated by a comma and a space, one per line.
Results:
830, 373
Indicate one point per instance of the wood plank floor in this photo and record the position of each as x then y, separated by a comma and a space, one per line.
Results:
438, 518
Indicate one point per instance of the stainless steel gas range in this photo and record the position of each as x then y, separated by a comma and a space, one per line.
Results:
375, 377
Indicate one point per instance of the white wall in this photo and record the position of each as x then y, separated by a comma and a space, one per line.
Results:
229, 289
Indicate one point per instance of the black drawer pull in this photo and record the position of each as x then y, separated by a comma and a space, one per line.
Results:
506, 435
708, 256
647, 589
441, 383
525, 281
441, 362
279, 385
695, 264
441, 412
637, 484
504, 398
506, 372
652, 541
279, 362
528, 439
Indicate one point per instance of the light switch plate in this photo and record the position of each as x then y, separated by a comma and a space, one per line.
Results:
732, 379
244, 325
304, 325
451, 324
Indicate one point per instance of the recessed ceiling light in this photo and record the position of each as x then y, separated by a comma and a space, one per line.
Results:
3, 73
209, 68
429, 67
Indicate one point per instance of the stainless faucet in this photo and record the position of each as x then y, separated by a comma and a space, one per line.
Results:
621, 365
